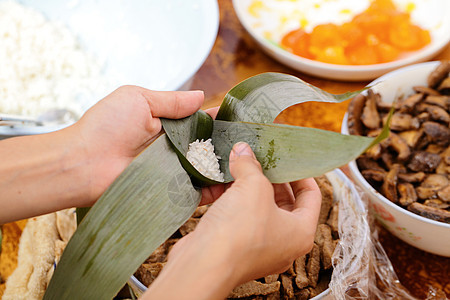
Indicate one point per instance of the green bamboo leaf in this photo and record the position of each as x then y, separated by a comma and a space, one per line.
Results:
146, 204
288, 153
261, 98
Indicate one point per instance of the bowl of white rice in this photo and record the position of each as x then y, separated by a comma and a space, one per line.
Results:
70, 54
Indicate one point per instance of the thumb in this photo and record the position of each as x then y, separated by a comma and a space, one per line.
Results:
174, 104
243, 162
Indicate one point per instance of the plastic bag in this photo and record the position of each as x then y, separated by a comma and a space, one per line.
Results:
362, 269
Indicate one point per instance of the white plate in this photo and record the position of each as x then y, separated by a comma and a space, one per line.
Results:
430, 14
155, 44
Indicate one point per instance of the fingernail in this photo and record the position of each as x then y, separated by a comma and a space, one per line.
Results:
197, 92
241, 149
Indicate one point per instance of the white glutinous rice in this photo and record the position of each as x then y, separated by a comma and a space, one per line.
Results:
201, 155
43, 66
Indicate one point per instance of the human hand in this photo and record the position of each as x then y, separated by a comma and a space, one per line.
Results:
124, 123
252, 230
267, 226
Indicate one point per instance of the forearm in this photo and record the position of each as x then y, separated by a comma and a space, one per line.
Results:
201, 271
40, 174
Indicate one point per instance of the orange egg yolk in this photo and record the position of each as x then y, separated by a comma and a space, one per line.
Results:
380, 34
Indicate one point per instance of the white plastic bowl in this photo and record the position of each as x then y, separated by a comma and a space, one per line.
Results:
433, 14
339, 182
420, 232
155, 44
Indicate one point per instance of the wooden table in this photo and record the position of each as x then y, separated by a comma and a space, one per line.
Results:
236, 57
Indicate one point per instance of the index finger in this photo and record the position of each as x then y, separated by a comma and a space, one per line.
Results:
307, 199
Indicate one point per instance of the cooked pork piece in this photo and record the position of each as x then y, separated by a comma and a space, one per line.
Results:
189, 226
423, 117
435, 77
370, 117
389, 187
374, 175
271, 278
433, 148
444, 87
401, 122
426, 90
407, 194
441, 101
436, 203
444, 194
374, 152
365, 163
356, 106
426, 192
422, 161
438, 114
333, 220
437, 133
435, 181
388, 159
303, 294
313, 265
322, 285
412, 177
324, 240
446, 155
147, 273
301, 279
410, 102
200, 211
287, 287
254, 287
399, 145
430, 212
411, 137
326, 189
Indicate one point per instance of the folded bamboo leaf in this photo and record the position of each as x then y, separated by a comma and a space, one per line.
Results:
146, 204
288, 153
261, 98
182, 132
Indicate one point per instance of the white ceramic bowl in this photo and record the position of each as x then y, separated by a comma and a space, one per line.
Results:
340, 183
423, 233
432, 15
155, 44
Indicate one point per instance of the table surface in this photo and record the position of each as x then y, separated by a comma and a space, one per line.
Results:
236, 57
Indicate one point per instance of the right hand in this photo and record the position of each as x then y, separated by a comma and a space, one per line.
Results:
266, 227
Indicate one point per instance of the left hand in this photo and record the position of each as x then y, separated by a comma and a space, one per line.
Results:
124, 123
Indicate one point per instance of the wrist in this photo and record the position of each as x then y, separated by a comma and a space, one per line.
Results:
41, 174
73, 167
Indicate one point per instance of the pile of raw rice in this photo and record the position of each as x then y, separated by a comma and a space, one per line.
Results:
201, 155
42, 65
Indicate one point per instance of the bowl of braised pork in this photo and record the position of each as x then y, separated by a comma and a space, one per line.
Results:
406, 176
